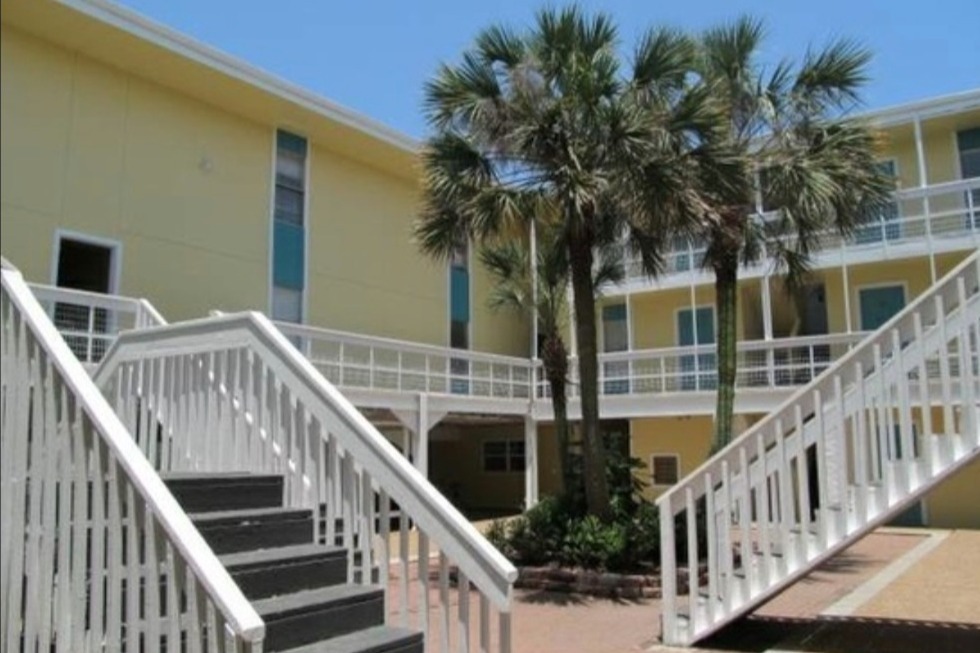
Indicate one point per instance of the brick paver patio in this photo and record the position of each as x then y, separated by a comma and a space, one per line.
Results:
890, 622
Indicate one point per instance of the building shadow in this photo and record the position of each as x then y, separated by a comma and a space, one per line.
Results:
845, 635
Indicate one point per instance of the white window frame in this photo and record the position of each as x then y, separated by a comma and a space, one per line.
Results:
508, 442
449, 299
114, 246
307, 223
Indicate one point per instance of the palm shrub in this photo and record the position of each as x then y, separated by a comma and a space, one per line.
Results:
786, 134
509, 264
551, 125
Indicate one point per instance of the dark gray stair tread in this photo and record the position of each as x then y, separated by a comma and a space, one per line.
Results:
252, 514
379, 639
205, 477
295, 553
298, 603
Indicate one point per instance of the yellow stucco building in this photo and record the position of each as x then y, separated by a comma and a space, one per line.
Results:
139, 162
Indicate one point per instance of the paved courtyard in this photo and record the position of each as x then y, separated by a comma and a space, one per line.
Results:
895, 591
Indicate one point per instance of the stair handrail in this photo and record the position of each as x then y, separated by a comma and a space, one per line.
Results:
240, 617
946, 285
481, 562
941, 322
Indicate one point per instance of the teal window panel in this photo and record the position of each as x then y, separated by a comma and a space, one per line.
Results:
459, 296
290, 142
614, 313
968, 139
288, 255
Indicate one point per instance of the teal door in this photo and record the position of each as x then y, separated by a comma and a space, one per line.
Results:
878, 305
705, 364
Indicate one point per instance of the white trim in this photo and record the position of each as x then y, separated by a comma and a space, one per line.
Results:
182, 45
879, 284
925, 109
272, 224
304, 292
602, 324
664, 454
115, 248
469, 300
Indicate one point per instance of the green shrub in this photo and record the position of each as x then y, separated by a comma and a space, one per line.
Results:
592, 544
497, 535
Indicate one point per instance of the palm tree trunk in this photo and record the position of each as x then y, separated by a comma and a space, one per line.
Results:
556, 369
726, 303
594, 453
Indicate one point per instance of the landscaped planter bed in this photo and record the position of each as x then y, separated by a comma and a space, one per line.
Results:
553, 578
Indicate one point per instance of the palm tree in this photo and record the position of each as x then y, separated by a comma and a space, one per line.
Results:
795, 145
509, 264
550, 125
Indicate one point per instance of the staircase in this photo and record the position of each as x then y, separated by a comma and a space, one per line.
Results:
298, 586
870, 436
211, 466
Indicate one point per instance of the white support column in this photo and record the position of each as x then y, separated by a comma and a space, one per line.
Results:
571, 322
530, 462
766, 308
920, 156
845, 280
416, 426
422, 436
534, 291
694, 334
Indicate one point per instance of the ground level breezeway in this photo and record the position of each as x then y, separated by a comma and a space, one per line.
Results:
479, 463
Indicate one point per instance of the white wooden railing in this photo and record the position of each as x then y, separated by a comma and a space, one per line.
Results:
936, 216
86, 520
888, 420
772, 364
89, 322
351, 360
232, 393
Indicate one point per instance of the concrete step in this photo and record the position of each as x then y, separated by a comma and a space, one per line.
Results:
248, 530
284, 570
213, 492
302, 618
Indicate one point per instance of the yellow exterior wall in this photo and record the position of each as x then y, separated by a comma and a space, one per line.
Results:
654, 315
688, 437
184, 188
89, 149
955, 503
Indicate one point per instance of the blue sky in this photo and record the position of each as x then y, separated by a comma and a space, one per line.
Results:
373, 56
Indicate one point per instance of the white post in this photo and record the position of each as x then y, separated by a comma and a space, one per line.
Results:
530, 462
534, 291
422, 436
845, 280
767, 329
694, 329
920, 156
571, 322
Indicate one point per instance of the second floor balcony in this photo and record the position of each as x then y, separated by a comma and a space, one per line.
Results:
922, 221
